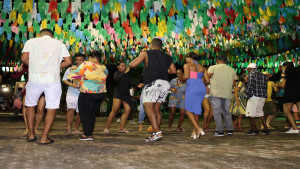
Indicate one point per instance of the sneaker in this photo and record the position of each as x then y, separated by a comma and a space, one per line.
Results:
119, 121
155, 137
229, 132
292, 131
86, 138
252, 132
132, 122
219, 133
266, 132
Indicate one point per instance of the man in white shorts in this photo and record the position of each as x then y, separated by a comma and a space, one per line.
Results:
256, 94
72, 97
44, 56
157, 65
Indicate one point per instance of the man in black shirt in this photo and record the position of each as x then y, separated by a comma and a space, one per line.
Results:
157, 65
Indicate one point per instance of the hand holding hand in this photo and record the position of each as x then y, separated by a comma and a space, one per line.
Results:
127, 69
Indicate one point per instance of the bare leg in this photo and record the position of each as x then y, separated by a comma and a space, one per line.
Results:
181, 117
50, 116
239, 121
30, 114
194, 120
125, 115
24, 117
158, 113
77, 121
287, 110
206, 106
269, 119
69, 117
115, 109
171, 117
252, 122
263, 121
152, 116
40, 113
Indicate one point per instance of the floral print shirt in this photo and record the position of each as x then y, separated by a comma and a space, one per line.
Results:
91, 77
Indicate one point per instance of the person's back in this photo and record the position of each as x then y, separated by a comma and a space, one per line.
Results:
46, 55
157, 67
257, 85
222, 81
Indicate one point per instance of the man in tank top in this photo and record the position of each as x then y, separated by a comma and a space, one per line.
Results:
157, 65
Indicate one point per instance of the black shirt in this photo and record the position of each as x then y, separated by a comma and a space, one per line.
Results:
158, 65
123, 83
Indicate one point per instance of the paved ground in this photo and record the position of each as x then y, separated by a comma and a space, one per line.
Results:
176, 150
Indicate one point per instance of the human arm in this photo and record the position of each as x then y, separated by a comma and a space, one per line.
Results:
67, 62
236, 96
172, 69
138, 60
251, 83
206, 78
186, 74
280, 84
75, 85
25, 58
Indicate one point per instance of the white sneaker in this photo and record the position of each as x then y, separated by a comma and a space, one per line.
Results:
119, 121
292, 131
132, 122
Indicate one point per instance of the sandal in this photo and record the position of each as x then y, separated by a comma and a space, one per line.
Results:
25, 133
31, 140
150, 129
155, 137
37, 132
180, 129
77, 132
106, 131
68, 132
123, 131
170, 129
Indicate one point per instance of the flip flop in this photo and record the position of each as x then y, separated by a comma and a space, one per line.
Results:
51, 141
31, 140
123, 131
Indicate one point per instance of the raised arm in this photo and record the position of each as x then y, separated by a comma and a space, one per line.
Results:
138, 60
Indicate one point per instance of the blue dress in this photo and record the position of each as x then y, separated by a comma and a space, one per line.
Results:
195, 92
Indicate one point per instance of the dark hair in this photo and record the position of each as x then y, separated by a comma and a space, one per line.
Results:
47, 30
118, 63
222, 57
192, 55
156, 42
96, 54
243, 76
290, 68
79, 55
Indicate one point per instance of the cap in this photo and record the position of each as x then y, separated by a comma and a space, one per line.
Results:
251, 65
222, 57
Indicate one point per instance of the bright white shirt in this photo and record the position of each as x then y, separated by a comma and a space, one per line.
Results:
45, 57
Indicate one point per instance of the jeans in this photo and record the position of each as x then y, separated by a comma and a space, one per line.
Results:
221, 107
142, 113
88, 105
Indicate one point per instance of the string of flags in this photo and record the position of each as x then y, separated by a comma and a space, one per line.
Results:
261, 31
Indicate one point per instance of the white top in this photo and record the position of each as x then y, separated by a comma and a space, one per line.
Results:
45, 57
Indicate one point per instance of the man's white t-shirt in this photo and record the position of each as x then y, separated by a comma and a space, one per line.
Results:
45, 57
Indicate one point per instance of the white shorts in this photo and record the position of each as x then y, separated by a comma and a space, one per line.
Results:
72, 102
52, 93
255, 107
157, 91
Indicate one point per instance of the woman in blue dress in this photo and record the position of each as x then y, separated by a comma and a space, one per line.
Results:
195, 90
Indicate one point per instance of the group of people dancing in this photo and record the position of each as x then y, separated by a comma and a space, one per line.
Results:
194, 87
